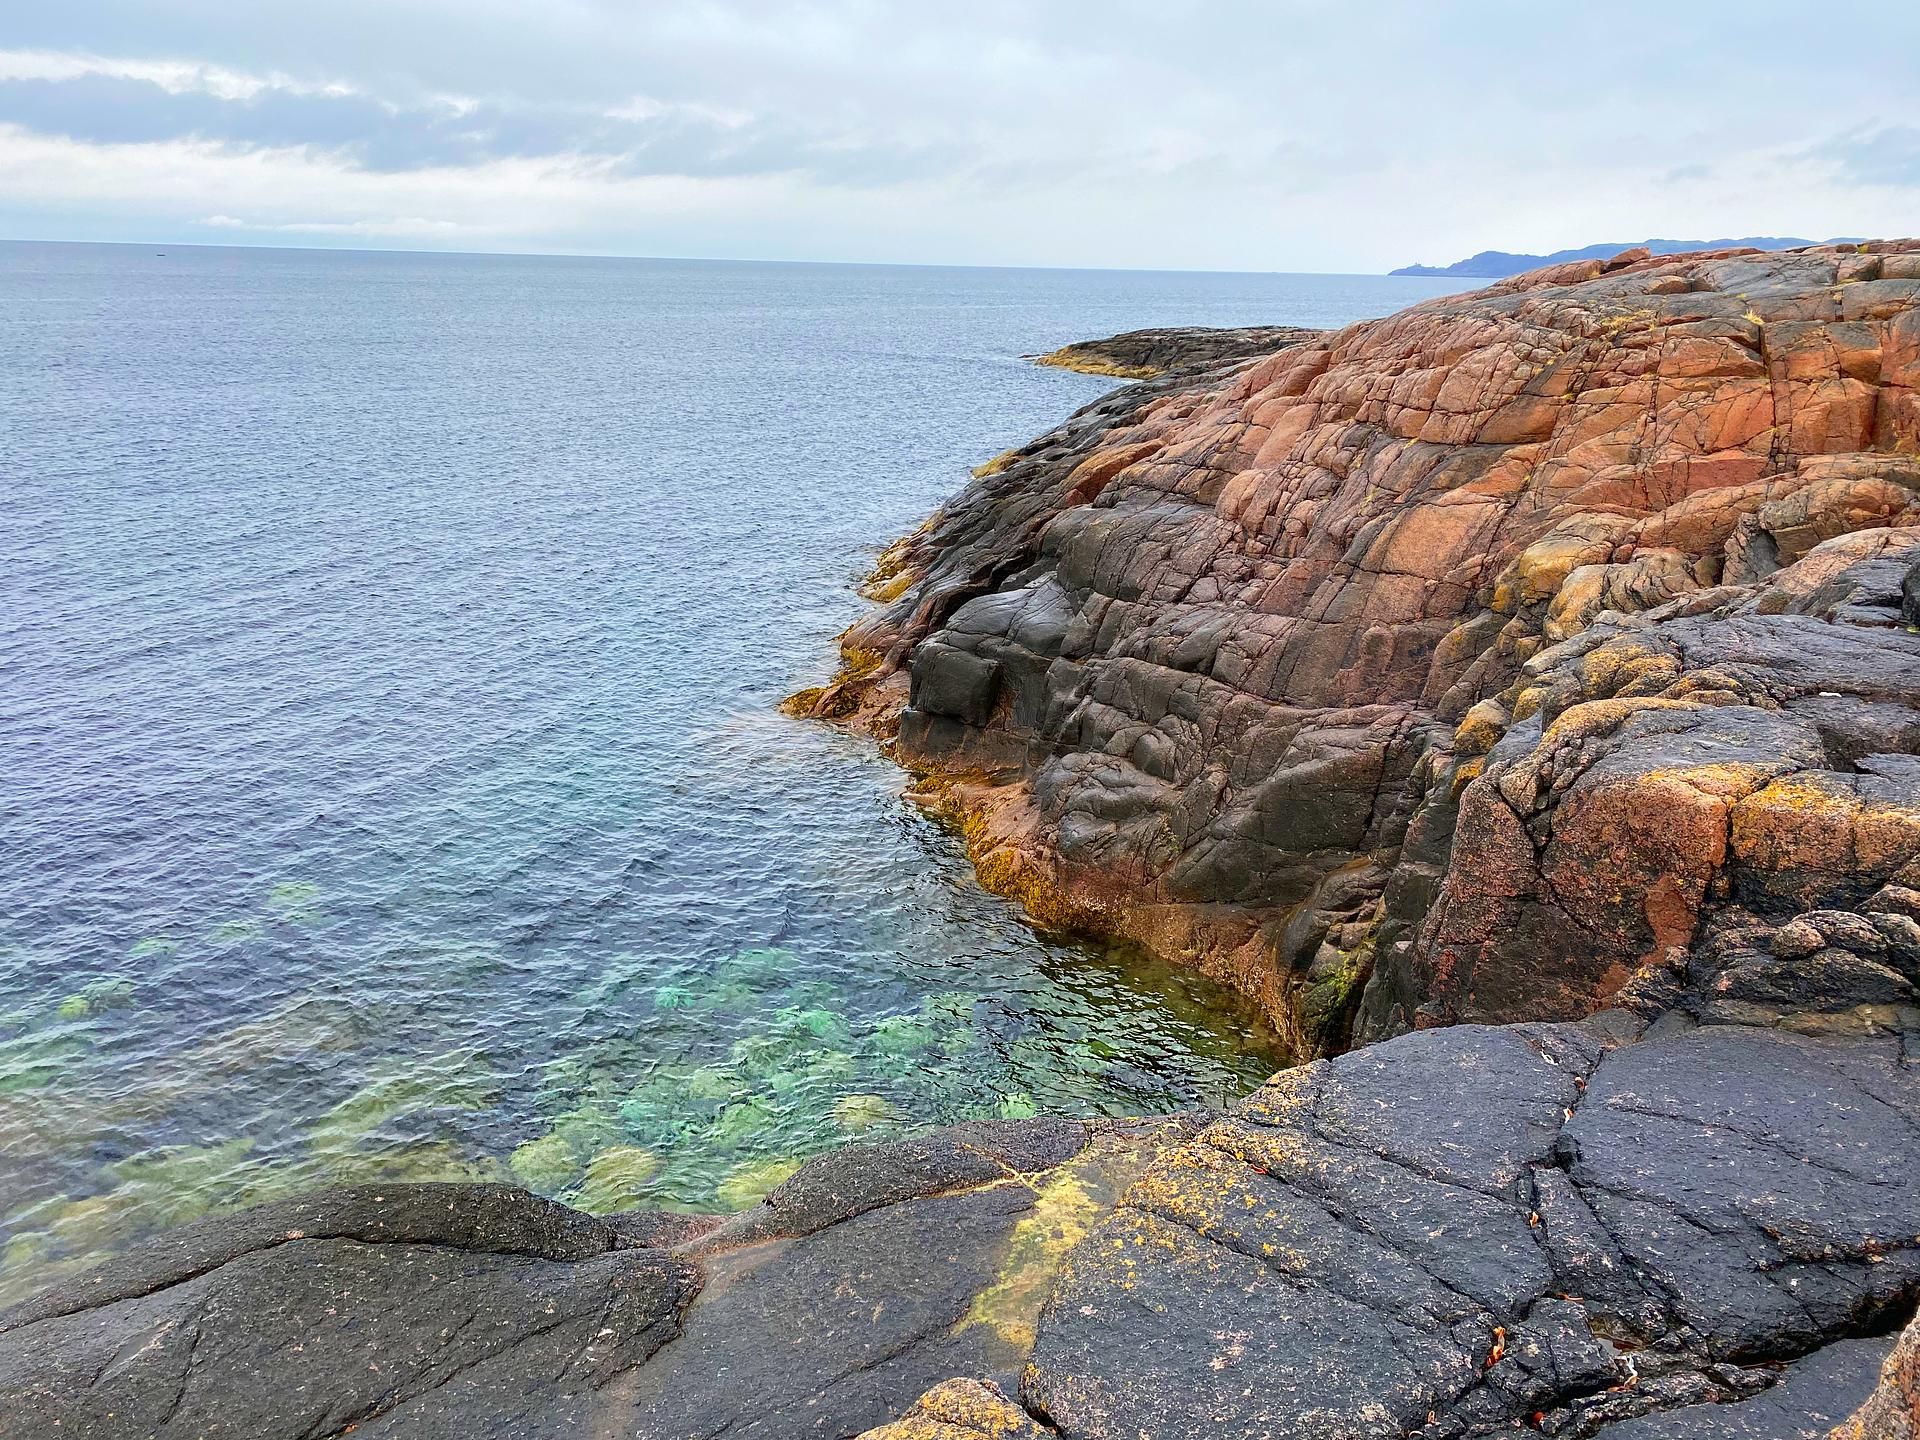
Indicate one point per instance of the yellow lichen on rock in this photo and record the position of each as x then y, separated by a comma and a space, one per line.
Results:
1805, 831
961, 1410
1064, 1212
997, 463
1069, 358
840, 696
1480, 728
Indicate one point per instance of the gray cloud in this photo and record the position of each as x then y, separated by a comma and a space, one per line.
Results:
380, 135
1235, 133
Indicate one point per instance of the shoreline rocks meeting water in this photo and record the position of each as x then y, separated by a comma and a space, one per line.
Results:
1519, 697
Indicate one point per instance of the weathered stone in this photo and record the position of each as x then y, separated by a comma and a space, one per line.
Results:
416, 1310
1201, 651
1455, 1232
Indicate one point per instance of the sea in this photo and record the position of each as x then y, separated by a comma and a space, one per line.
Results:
391, 780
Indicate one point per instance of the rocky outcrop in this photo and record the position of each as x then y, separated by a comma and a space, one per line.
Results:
1149, 354
1459, 665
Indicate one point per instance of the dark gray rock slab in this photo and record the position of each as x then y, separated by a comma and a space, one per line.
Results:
1464, 1230
828, 1335
311, 1337
489, 1219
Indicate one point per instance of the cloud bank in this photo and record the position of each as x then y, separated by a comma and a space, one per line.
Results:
1239, 134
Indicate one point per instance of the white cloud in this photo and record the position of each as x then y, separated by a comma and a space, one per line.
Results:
176, 77
403, 227
642, 108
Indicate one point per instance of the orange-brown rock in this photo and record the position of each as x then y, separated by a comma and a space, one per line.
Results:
1892, 1412
1227, 647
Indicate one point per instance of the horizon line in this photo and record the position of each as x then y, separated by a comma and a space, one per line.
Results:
322, 249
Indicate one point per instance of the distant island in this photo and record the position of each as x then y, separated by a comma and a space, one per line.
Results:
1498, 264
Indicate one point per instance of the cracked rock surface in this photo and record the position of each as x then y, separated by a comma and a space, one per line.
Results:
1557, 1225
410, 1310
477, 1311
1210, 665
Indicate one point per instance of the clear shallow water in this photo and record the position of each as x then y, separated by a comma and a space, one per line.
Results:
392, 784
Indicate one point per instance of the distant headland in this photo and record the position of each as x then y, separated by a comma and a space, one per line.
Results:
1498, 264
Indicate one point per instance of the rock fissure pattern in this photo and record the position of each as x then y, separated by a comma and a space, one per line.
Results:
1442, 1235
1247, 662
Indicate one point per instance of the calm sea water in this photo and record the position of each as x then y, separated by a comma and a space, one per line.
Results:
393, 788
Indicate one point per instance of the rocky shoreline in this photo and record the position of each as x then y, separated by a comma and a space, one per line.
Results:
1520, 697
1612, 1228
1244, 663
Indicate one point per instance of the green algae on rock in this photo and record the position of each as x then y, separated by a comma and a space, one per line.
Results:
857, 1114
616, 1178
750, 1182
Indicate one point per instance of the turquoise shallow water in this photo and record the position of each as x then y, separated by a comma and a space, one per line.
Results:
393, 789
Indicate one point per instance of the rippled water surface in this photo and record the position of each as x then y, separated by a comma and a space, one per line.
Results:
393, 788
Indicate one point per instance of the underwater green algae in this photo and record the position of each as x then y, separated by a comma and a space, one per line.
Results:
748, 1183
294, 902
858, 1114
616, 1179
701, 1090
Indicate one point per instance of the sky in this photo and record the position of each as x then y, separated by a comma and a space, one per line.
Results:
1292, 135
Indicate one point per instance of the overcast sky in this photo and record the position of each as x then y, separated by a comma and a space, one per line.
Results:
1346, 135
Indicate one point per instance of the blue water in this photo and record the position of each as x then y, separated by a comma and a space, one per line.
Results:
389, 647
